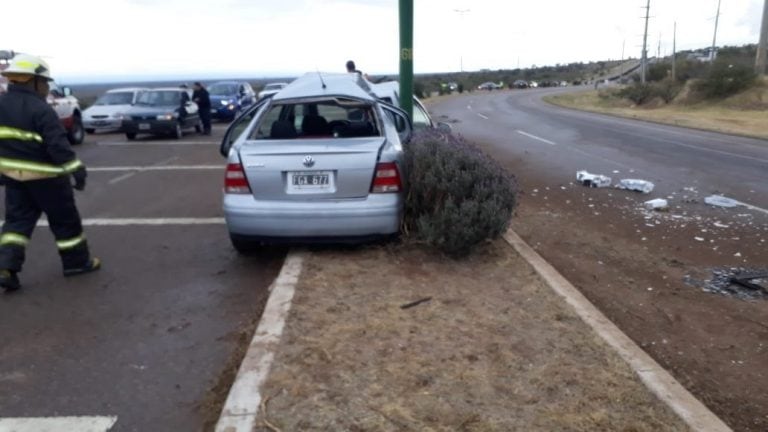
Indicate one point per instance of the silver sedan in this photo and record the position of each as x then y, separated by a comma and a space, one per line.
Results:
322, 160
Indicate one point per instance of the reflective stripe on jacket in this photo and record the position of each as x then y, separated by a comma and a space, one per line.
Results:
33, 143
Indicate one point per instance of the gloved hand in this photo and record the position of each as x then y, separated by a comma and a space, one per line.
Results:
79, 177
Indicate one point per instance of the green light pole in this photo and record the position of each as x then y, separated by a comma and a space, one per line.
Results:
406, 56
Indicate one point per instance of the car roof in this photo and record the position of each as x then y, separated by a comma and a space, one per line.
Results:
178, 89
227, 82
317, 84
127, 89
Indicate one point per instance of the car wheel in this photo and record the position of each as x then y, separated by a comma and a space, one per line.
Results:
90, 131
244, 247
76, 134
178, 133
130, 135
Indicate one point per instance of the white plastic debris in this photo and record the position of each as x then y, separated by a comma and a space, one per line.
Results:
657, 204
636, 185
592, 180
698, 238
721, 201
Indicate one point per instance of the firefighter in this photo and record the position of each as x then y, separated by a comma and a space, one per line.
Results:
36, 162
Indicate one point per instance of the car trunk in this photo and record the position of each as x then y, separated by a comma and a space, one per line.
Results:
310, 169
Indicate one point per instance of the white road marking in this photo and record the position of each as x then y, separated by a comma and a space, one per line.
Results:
244, 400
153, 143
535, 137
57, 424
144, 221
157, 168
122, 177
482, 116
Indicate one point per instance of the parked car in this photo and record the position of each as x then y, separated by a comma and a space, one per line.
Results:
322, 160
520, 84
271, 89
489, 86
67, 107
162, 111
389, 92
229, 98
106, 114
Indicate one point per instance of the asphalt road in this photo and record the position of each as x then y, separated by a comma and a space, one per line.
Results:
146, 337
558, 141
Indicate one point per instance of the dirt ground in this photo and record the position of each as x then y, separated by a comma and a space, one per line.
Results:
493, 349
632, 264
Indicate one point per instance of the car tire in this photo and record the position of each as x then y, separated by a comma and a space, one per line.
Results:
90, 131
130, 135
178, 133
76, 134
244, 247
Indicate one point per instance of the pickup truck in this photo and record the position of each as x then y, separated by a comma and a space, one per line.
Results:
61, 99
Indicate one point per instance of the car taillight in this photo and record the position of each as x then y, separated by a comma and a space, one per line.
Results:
386, 179
235, 181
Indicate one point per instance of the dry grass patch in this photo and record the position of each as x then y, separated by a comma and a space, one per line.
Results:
492, 350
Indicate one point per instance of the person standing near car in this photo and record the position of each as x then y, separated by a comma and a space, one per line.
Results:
36, 162
203, 101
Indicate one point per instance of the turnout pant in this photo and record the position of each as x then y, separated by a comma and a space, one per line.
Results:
24, 203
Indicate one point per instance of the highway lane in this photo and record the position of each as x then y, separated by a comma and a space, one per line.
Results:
560, 141
148, 336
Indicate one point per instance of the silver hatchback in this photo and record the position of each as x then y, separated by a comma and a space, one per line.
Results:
321, 160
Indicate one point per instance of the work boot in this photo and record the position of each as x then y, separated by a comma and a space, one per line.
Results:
9, 281
91, 266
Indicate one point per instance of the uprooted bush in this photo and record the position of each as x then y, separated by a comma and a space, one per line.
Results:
458, 196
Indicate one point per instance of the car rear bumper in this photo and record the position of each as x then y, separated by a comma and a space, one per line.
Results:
376, 215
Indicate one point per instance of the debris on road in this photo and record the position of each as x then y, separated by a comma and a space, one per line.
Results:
638, 185
592, 180
739, 282
658, 204
721, 201
415, 303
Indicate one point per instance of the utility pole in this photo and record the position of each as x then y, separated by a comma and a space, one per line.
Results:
644, 60
461, 13
406, 56
714, 37
762, 45
658, 49
674, 51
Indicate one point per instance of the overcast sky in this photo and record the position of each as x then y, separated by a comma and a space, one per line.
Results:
83, 39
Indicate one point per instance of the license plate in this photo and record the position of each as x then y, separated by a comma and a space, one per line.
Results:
310, 181
144, 126
100, 123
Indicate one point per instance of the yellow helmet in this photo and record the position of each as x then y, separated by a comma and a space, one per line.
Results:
23, 67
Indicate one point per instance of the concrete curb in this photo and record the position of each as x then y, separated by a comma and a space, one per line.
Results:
697, 416
244, 400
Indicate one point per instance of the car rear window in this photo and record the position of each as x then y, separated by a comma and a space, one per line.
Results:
324, 119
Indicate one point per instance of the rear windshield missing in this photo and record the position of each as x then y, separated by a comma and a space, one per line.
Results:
337, 118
